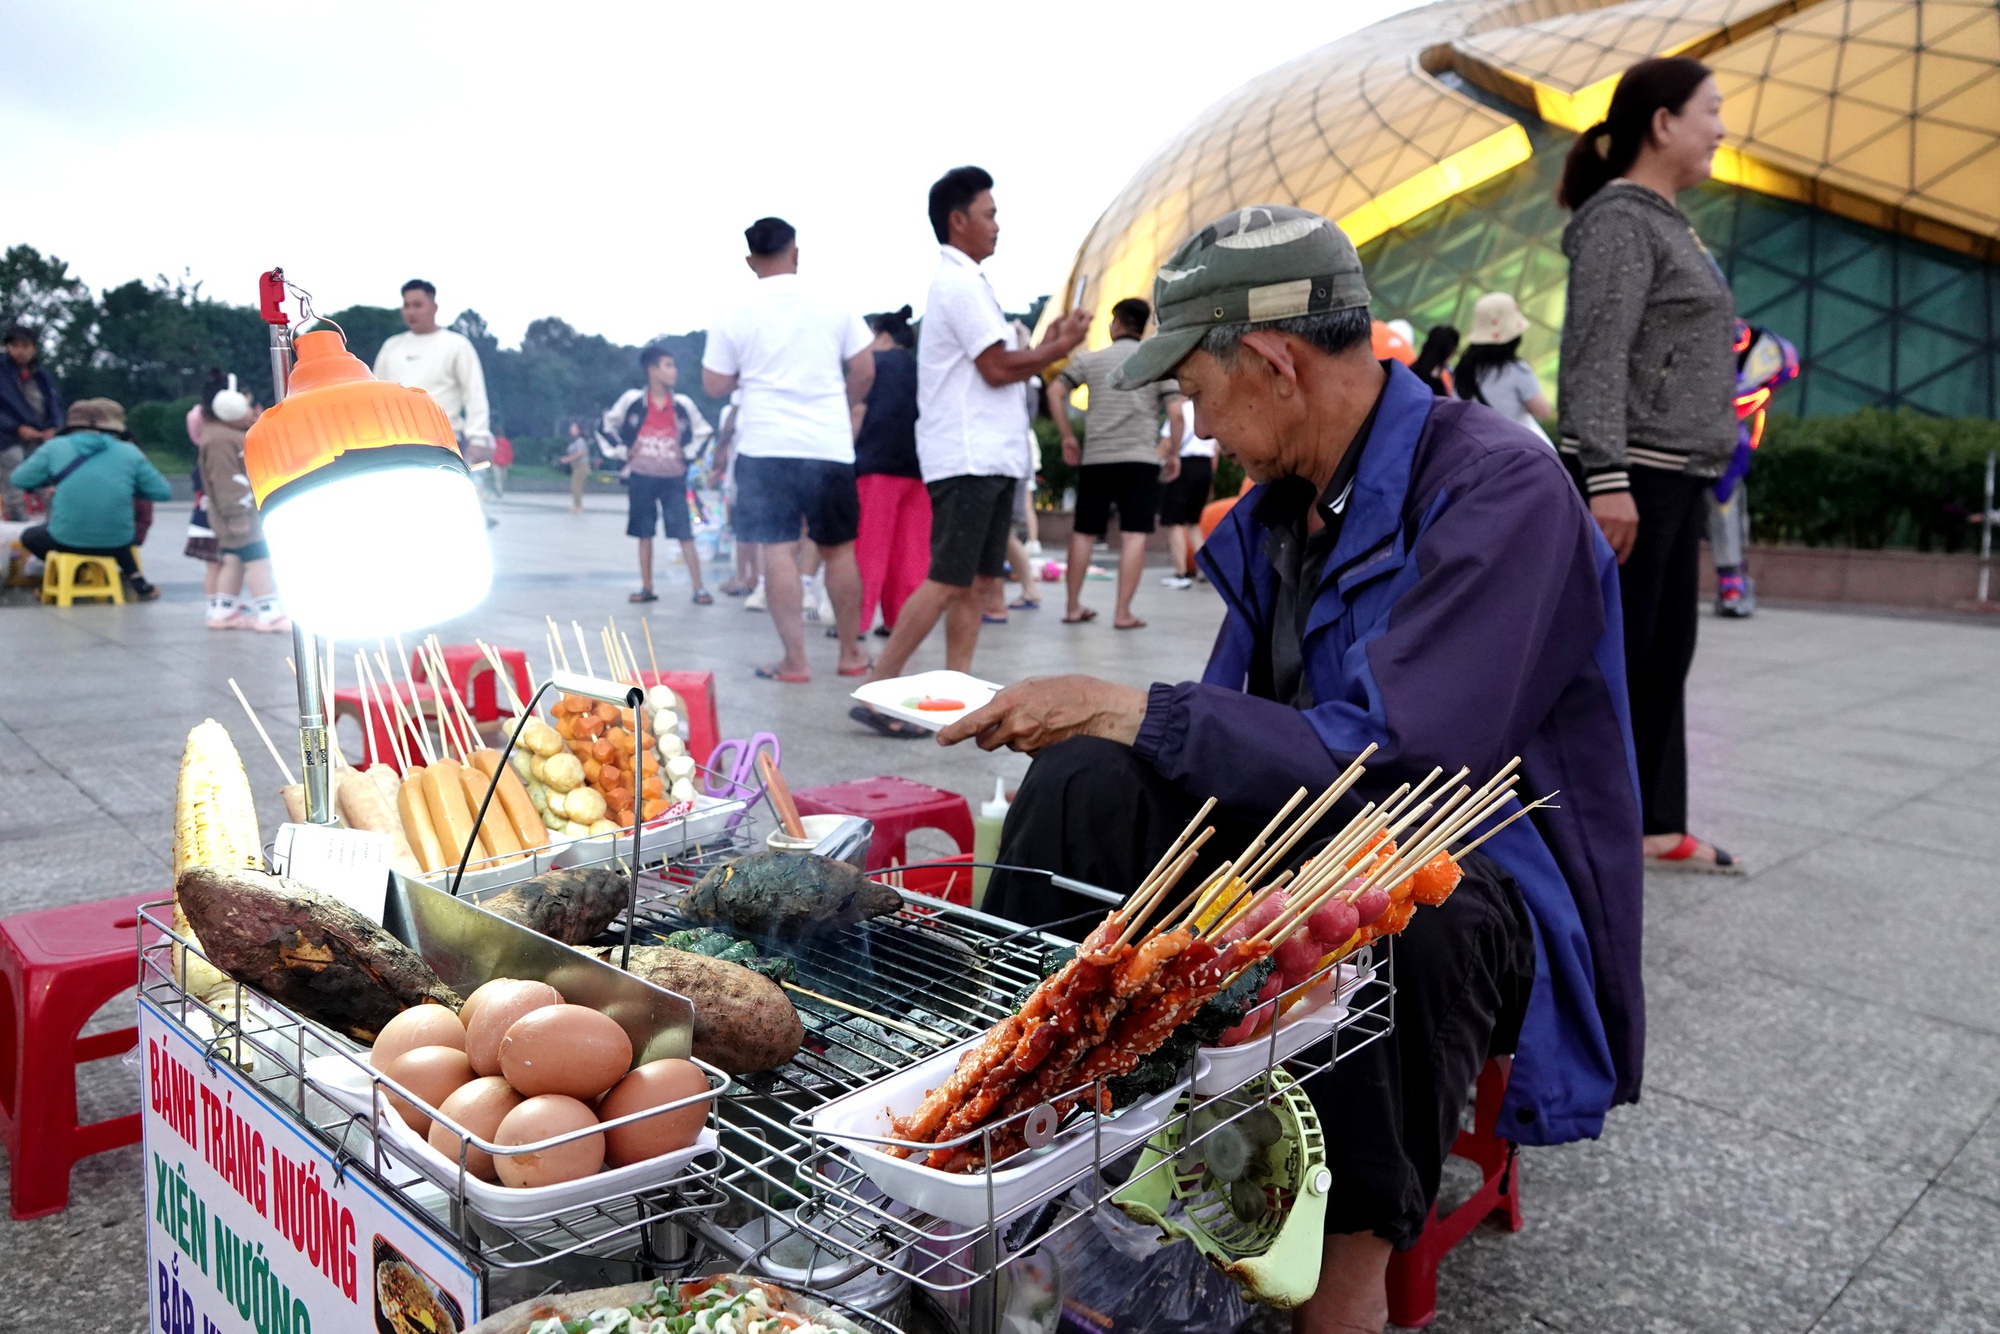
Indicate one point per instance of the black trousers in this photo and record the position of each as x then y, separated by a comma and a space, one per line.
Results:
1659, 588
38, 542
1092, 810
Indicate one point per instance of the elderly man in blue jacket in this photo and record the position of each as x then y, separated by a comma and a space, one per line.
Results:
1412, 573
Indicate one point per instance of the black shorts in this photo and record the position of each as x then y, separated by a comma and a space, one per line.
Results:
1133, 488
774, 496
971, 517
1093, 810
1182, 499
667, 495
258, 550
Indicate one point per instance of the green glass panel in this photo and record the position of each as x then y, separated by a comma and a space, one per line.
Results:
1840, 323
1869, 275
1965, 390
1924, 353
1831, 395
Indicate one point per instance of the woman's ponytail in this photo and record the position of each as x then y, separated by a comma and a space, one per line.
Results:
1607, 150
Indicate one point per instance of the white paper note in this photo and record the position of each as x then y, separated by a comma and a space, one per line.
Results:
350, 864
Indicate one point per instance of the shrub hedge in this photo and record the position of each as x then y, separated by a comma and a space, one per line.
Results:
1874, 479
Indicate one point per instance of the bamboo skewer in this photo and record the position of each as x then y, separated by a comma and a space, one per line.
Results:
1347, 779
582, 649
258, 723
1539, 803
631, 658
1166, 884
646, 627
395, 731
1167, 857
910, 1030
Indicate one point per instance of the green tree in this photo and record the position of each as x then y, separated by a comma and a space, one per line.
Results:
41, 292
367, 328
160, 341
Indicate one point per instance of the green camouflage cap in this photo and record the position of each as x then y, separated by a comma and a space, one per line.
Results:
1266, 262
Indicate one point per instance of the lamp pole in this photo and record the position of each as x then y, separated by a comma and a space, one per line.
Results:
315, 772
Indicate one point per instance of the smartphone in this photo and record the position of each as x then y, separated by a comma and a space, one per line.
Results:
1076, 293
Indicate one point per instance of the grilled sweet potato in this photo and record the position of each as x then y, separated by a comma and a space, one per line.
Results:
571, 906
742, 1020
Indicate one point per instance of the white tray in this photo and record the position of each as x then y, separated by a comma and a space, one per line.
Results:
1023, 1182
1217, 1070
345, 1084
662, 837
888, 696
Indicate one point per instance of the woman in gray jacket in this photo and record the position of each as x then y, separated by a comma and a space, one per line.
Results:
1645, 387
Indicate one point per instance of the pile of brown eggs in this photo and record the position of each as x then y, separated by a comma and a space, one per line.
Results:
519, 1065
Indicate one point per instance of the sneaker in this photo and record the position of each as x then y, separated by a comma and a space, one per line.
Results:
1031, 548
231, 618
1733, 597
271, 623
822, 611
1176, 581
756, 601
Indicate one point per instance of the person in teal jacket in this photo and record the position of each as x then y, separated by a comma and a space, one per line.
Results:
97, 474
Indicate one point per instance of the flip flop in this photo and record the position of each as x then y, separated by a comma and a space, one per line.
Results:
862, 670
1024, 605
1130, 625
987, 618
884, 724
703, 598
643, 595
1681, 857
1087, 614
773, 674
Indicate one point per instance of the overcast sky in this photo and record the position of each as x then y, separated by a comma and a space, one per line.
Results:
593, 160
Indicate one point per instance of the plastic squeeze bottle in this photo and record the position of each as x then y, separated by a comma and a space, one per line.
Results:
986, 838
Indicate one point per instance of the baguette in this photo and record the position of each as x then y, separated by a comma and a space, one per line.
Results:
387, 781
444, 795
361, 806
520, 807
417, 825
496, 831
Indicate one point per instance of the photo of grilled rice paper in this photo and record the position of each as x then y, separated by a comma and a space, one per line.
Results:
719, 1301
406, 1301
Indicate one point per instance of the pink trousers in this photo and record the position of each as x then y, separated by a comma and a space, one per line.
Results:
893, 547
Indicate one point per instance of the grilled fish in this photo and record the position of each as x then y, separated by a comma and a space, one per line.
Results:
786, 896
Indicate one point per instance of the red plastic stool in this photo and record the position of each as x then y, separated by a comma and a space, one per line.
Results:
896, 806
472, 675
697, 692
1413, 1273
60, 965
949, 878
376, 745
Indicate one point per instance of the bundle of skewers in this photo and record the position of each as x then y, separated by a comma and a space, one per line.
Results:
1144, 971
428, 801
602, 740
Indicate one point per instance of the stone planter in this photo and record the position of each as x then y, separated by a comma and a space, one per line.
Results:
1911, 580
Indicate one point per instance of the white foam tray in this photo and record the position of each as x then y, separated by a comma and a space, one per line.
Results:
1217, 1070
1023, 1182
888, 696
662, 838
345, 1084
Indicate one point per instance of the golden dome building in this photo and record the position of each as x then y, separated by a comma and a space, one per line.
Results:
1855, 207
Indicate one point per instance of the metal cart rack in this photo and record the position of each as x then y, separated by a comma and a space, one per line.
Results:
938, 975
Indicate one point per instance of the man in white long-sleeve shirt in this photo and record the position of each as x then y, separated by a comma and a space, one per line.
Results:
444, 364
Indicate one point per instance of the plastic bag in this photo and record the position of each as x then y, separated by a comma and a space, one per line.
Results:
1116, 1278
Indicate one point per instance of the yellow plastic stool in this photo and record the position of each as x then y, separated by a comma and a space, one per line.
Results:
63, 581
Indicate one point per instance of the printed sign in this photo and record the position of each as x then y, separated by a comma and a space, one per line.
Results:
251, 1230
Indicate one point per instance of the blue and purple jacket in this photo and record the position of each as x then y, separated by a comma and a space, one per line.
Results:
1469, 613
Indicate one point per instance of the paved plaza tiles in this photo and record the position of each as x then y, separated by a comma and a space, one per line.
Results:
1819, 1143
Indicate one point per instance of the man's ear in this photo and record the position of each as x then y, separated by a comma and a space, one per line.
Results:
1276, 351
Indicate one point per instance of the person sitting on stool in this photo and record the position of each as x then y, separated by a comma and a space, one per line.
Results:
1412, 573
97, 472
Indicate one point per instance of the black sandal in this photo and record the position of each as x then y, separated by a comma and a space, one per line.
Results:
644, 595
703, 598
884, 724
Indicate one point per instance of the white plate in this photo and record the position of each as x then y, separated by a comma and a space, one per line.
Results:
888, 696
1023, 1182
346, 1084
1217, 1070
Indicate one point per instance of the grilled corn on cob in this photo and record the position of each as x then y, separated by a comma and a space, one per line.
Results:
215, 824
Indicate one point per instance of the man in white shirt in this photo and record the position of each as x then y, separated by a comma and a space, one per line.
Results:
802, 366
971, 430
444, 364
1183, 499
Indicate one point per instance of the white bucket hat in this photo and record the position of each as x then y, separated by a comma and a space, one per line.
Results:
1496, 319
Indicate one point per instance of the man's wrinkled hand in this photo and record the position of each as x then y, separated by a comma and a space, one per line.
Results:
1043, 710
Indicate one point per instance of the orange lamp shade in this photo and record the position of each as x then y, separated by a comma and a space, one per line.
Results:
333, 406
1387, 344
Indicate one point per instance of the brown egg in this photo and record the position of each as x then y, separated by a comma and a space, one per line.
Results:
652, 1085
480, 1107
492, 1010
543, 1118
570, 1049
433, 1074
425, 1025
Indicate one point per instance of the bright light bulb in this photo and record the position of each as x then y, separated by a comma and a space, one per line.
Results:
380, 551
